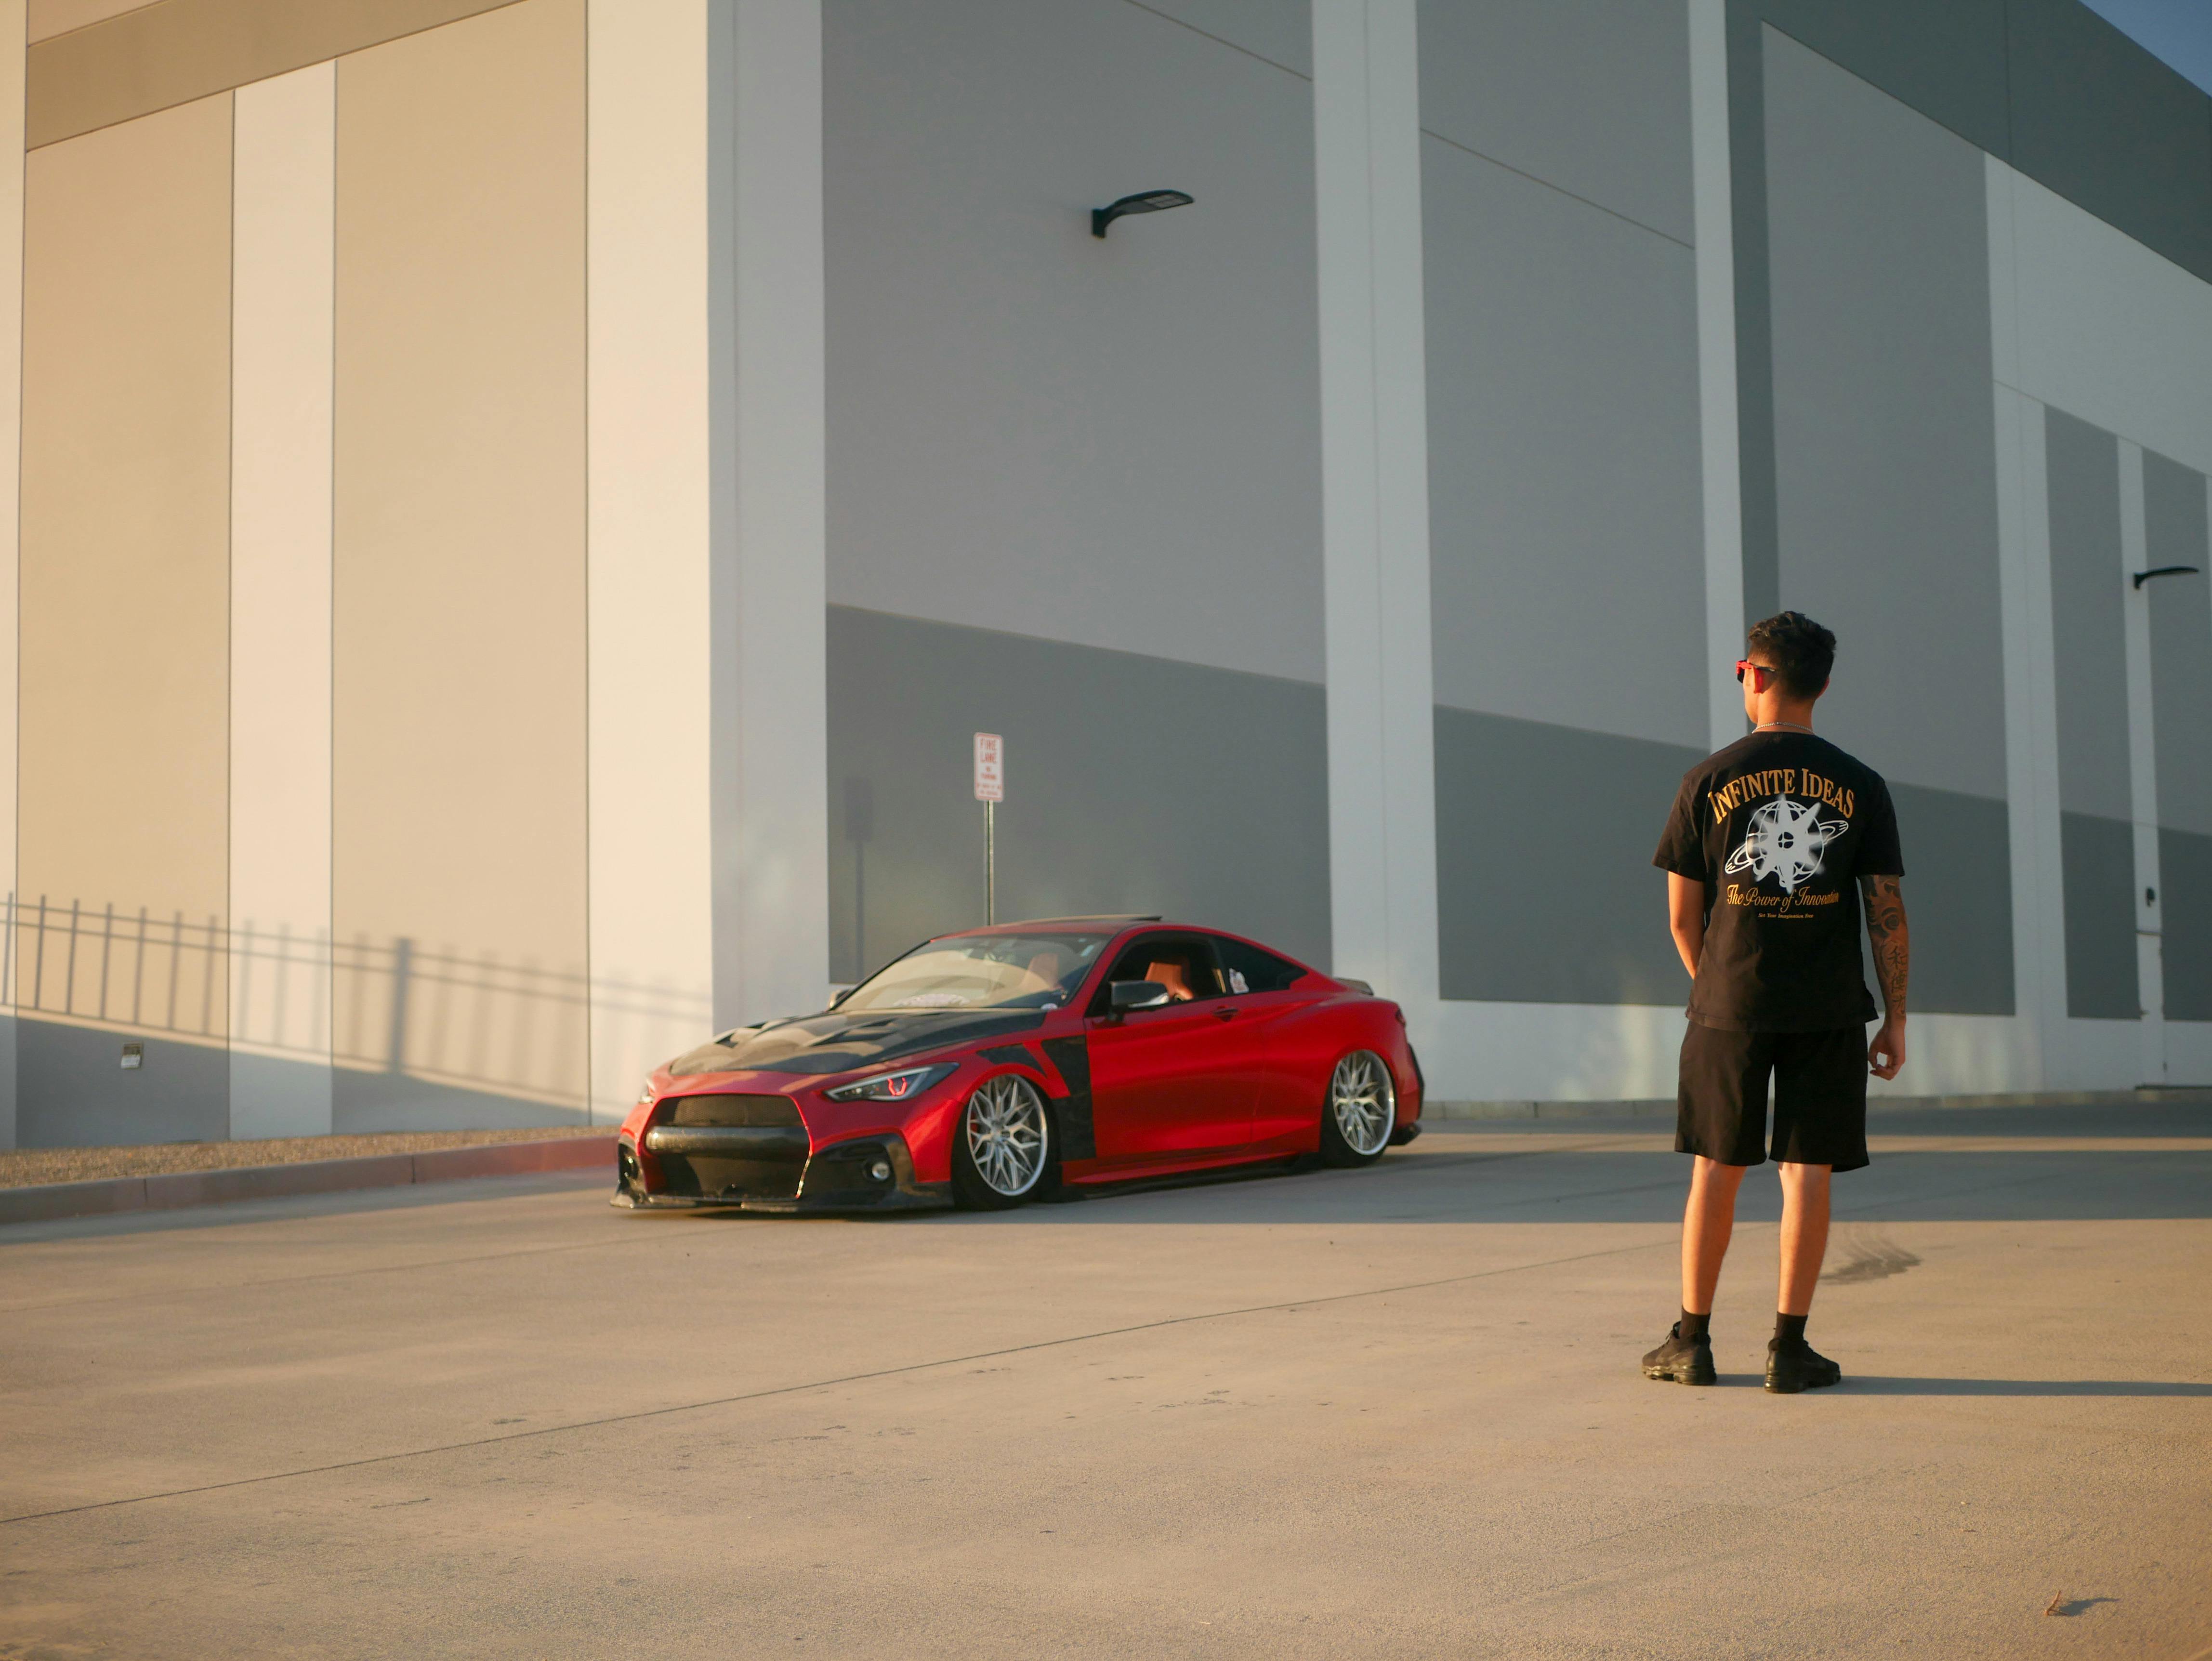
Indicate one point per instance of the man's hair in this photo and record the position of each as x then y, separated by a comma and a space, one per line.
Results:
1801, 650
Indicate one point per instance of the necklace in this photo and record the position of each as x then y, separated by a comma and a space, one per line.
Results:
1780, 726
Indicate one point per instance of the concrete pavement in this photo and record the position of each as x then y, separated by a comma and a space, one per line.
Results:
1393, 1412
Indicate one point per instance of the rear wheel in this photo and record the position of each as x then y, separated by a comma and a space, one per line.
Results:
1002, 1146
1361, 1111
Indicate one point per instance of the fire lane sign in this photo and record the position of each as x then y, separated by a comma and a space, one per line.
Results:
990, 767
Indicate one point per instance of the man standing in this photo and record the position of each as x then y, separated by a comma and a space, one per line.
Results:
1769, 847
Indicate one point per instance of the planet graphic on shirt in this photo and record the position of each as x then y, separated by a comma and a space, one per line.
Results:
1785, 841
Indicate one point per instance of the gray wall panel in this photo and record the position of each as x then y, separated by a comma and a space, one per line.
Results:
1591, 96
2097, 858
1281, 31
1958, 898
2109, 127
1885, 443
1947, 60
2089, 637
1545, 892
72, 1090
2180, 643
2185, 878
1564, 513
2046, 85
1112, 443
1133, 784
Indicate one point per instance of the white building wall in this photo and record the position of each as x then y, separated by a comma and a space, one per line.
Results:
2089, 321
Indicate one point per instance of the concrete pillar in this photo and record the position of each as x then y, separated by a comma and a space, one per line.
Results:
650, 544
2142, 766
12, 30
1714, 216
771, 860
1375, 505
284, 229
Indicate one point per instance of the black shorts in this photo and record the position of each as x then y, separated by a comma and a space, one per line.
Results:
1820, 1095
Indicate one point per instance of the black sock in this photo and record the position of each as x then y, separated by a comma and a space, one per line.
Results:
1696, 1326
1790, 1329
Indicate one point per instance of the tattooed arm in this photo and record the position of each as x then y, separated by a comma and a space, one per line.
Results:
1893, 960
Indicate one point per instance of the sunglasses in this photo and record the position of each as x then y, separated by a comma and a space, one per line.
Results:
1762, 669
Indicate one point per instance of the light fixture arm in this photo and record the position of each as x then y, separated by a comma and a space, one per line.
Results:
1142, 202
2141, 577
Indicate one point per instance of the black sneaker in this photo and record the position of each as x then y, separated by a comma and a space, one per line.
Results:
1797, 1366
1681, 1360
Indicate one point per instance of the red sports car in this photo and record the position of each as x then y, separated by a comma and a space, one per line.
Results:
989, 1068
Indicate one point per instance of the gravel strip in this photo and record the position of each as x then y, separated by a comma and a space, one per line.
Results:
28, 1166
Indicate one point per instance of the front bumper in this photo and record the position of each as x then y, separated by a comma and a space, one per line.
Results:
741, 1168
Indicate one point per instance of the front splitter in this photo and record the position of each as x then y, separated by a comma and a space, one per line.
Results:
933, 1198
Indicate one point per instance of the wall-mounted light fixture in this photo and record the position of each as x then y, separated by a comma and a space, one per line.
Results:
1143, 202
2141, 577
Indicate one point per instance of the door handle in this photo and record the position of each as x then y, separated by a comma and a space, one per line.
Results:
1225, 1013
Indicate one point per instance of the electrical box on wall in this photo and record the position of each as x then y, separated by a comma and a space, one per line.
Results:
134, 1056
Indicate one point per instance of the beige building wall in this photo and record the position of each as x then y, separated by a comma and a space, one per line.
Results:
458, 698
97, 62
51, 17
125, 624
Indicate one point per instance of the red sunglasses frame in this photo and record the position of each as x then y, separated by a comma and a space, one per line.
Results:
1742, 664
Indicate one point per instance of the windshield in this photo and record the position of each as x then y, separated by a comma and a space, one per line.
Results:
983, 971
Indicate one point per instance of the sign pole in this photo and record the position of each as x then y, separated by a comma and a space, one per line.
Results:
990, 790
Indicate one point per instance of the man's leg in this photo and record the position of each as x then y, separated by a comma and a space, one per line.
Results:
1707, 1221
1804, 1237
1819, 1128
1720, 1117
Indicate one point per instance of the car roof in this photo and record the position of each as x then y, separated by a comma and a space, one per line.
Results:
1117, 922
1124, 923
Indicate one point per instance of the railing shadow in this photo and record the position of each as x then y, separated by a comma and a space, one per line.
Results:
428, 1019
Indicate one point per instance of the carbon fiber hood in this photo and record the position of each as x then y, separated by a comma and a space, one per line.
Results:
834, 1043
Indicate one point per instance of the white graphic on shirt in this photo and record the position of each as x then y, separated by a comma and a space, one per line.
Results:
1785, 841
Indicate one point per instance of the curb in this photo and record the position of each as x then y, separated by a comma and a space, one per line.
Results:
109, 1194
2172, 1094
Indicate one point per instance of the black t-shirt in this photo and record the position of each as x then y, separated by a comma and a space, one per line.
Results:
1779, 827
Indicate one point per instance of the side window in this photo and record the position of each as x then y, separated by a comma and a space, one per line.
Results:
1248, 969
1182, 964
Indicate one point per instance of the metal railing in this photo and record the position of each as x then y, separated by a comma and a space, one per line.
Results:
478, 1020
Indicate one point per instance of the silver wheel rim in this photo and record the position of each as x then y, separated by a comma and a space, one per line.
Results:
1364, 1103
1005, 1135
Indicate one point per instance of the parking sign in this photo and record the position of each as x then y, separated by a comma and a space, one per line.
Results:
990, 767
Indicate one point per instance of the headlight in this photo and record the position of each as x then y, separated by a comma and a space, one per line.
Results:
895, 1086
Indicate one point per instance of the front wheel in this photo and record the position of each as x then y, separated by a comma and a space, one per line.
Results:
1361, 1111
1002, 1147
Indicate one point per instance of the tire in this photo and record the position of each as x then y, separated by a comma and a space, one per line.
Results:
1360, 1111
1002, 1146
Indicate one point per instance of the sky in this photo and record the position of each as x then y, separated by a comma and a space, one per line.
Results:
2178, 31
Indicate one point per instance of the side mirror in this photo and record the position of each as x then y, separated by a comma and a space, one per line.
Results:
843, 993
1126, 995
